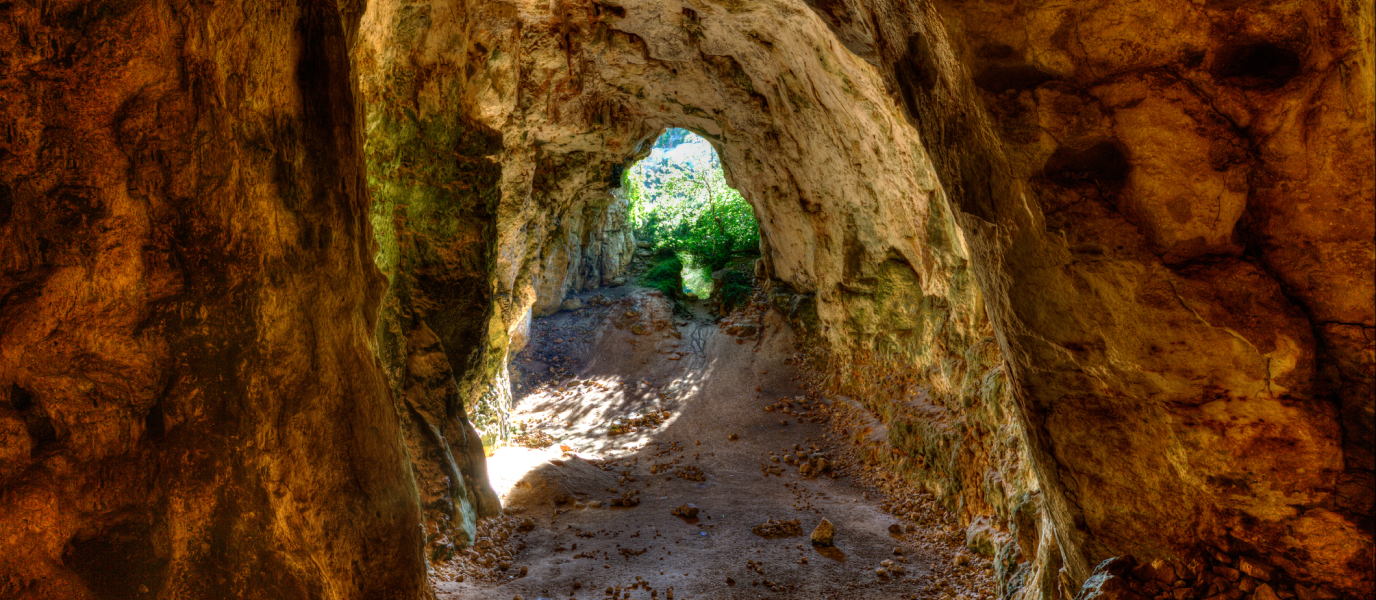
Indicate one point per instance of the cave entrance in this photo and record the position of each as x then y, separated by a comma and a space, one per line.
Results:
701, 232
614, 369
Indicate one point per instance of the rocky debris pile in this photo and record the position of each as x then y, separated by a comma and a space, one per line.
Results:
649, 419
735, 291
690, 473
775, 528
741, 330
1217, 577
496, 545
529, 435
619, 593
799, 406
644, 314
889, 568
745, 321
573, 303
687, 511
810, 462
629, 499
909, 504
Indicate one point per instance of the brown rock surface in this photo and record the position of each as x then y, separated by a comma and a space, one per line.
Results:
1096, 274
192, 406
824, 534
1196, 367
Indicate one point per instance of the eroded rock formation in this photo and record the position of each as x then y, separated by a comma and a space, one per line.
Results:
1113, 205
1115, 260
1173, 205
192, 402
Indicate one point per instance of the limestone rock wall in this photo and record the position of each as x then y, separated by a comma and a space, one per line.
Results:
190, 404
1169, 206
852, 213
459, 222
1067, 234
434, 191
590, 245
1111, 263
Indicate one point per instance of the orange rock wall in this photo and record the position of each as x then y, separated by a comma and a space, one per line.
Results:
1148, 224
190, 401
1172, 210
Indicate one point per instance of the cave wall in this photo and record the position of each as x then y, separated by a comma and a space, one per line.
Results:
855, 219
463, 213
190, 402
588, 242
434, 193
1115, 259
1126, 276
1170, 206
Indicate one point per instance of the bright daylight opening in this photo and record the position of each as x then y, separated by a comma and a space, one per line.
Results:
576, 387
696, 224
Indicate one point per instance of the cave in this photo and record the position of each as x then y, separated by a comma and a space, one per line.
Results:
1051, 302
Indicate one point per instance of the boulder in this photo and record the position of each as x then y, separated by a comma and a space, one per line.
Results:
824, 534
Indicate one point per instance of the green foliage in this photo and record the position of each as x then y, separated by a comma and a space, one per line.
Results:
735, 290
672, 138
697, 277
687, 207
632, 188
665, 274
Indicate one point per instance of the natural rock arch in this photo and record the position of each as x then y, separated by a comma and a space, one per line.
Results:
997, 195
1083, 244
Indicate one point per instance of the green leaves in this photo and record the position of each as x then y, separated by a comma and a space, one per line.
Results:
687, 207
665, 275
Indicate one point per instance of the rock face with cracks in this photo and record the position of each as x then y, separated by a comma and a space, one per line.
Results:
1075, 260
190, 400
1166, 246
1113, 263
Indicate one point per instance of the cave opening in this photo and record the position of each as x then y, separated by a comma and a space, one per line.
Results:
696, 244
700, 231
284, 284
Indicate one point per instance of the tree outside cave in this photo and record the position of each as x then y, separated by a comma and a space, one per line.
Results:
695, 223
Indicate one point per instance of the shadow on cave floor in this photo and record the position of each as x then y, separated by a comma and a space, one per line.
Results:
690, 404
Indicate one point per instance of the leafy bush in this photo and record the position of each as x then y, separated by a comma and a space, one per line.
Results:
687, 207
665, 274
735, 290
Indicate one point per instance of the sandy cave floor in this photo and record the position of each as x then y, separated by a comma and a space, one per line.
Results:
701, 419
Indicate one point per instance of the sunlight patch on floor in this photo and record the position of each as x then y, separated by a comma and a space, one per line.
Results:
509, 464
578, 414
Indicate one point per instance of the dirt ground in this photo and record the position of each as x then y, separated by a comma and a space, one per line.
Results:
640, 406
